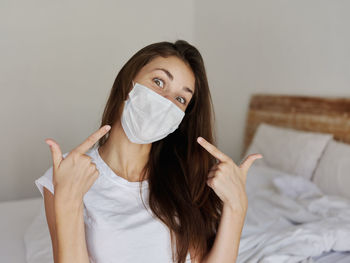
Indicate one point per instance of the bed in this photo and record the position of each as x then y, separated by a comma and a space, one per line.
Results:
304, 218
25, 236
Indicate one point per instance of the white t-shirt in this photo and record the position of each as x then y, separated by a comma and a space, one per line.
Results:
118, 228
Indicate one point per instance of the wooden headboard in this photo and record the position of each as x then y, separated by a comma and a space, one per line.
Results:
317, 114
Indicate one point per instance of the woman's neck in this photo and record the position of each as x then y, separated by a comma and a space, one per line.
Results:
125, 158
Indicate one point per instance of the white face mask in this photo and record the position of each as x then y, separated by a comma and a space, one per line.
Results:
148, 116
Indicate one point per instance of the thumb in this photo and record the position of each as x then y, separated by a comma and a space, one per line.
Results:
55, 152
249, 161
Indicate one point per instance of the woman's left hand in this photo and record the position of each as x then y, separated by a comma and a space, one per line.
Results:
227, 179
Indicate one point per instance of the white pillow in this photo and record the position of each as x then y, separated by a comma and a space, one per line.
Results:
292, 151
37, 240
332, 174
296, 187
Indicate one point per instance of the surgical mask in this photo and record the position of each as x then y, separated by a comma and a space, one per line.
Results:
148, 116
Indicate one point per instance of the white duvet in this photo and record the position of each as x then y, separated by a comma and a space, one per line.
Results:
290, 220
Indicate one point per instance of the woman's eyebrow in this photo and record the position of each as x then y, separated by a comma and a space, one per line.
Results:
170, 76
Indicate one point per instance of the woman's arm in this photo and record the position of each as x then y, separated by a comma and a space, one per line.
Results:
228, 182
70, 230
50, 218
226, 244
73, 175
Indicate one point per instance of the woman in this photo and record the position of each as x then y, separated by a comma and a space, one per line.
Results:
161, 144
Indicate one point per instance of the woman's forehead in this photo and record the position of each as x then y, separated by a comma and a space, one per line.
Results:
171, 63
174, 65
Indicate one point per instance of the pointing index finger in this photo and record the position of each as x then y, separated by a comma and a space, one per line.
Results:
213, 150
92, 139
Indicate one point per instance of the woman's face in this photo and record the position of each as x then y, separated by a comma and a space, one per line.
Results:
169, 77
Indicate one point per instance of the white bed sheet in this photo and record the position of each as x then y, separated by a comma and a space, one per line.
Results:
16, 216
290, 220
330, 257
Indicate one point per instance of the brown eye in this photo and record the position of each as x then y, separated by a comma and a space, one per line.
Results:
157, 81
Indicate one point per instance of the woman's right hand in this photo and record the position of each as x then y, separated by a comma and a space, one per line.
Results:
75, 174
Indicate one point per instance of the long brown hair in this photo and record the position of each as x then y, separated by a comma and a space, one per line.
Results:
178, 165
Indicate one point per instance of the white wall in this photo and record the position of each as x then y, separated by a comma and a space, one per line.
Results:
271, 46
58, 62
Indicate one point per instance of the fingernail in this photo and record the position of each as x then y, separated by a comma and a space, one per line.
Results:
199, 139
108, 127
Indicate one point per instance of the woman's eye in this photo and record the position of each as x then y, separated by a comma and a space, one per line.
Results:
157, 80
184, 101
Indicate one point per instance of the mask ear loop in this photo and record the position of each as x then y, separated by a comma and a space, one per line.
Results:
133, 84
